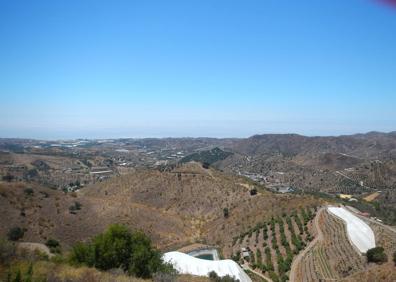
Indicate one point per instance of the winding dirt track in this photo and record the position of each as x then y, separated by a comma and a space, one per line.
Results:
298, 258
246, 266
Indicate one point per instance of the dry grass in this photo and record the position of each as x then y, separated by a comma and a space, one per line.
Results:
378, 273
48, 271
174, 208
335, 258
371, 197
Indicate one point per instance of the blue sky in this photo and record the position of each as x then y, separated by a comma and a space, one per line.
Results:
196, 68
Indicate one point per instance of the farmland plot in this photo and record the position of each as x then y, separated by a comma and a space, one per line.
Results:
272, 245
333, 257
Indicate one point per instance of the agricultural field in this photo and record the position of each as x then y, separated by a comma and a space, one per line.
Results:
269, 247
333, 257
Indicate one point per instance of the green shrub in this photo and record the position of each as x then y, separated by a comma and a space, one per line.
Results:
376, 255
18, 276
273, 276
253, 192
54, 246
226, 212
120, 248
52, 243
7, 251
75, 207
205, 165
28, 191
15, 233
215, 278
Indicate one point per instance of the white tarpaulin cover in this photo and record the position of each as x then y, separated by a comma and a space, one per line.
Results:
359, 233
186, 264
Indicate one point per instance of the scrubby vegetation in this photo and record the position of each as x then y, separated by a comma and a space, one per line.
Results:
28, 191
7, 250
117, 250
54, 246
207, 157
215, 278
376, 255
75, 207
387, 213
226, 212
120, 248
15, 233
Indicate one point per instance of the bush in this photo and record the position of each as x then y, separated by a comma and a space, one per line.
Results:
216, 278
8, 177
29, 191
7, 251
226, 212
164, 277
75, 207
205, 165
119, 248
376, 255
273, 276
253, 192
53, 245
15, 233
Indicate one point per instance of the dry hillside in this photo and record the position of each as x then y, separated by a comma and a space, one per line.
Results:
174, 208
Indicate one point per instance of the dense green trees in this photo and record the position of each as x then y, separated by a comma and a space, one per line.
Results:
119, 248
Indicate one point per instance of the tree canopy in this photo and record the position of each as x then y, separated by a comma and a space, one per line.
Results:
117, 247
376, 255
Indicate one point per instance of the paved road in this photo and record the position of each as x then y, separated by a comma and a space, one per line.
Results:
319, 237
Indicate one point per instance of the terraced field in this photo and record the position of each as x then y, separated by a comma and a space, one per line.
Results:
333, 257
272, 245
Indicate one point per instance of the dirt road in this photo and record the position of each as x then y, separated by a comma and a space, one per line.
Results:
246, 266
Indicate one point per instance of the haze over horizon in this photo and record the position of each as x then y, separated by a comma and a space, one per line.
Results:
199, 69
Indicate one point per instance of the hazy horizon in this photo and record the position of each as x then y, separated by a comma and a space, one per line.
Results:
192, 137
95, 69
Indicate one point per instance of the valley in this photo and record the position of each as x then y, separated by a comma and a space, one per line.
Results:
261, 201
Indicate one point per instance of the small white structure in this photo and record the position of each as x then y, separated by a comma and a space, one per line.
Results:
186, 264
359, 233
